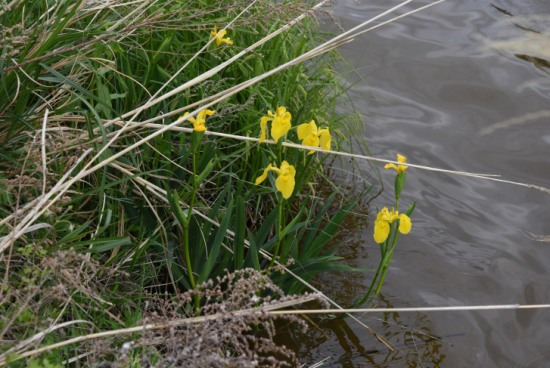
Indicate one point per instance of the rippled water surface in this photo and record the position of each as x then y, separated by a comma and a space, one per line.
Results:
432, 90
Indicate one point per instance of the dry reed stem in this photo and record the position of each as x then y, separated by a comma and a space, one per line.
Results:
269, 309
491, 177
40, 335
317, 149
10, 5
415, 309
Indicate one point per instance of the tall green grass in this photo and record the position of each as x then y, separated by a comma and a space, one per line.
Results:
88, 62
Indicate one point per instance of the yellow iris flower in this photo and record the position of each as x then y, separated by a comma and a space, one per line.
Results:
219, 36
280, 123
198, 123
285, 178
384, 220
399, 168
311, 136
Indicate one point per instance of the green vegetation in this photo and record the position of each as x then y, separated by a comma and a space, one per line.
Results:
176, 209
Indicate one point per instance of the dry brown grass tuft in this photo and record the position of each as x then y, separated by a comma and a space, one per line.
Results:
232, 328
231, 340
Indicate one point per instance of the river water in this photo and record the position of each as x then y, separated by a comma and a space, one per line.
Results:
431, 88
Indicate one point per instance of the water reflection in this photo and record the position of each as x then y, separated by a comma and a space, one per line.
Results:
413, 341
528, 39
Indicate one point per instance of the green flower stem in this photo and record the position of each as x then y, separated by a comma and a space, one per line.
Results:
399, 182
397, 195
279, 230
381, 268
386, 261
373, 282
307, 173
186, 232
388, 255
280, 217
187, 255
383, 248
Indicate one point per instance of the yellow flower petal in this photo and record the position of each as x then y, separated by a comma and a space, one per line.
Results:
405, 224
283, 116
384, 214
391, 166
262, 177
399, 168
282, 113
306, 129
199, 122
280, 124
191, 119
204, 113
381, 231
199, 126
311, 140
393, 215
285, 181
325, 139
279, 127
291, 170
286, 168
263, 127
285, 185
219, 39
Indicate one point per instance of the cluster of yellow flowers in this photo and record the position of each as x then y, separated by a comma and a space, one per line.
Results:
312, 136
307, 133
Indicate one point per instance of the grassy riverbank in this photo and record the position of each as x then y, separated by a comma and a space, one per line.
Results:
105, 221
